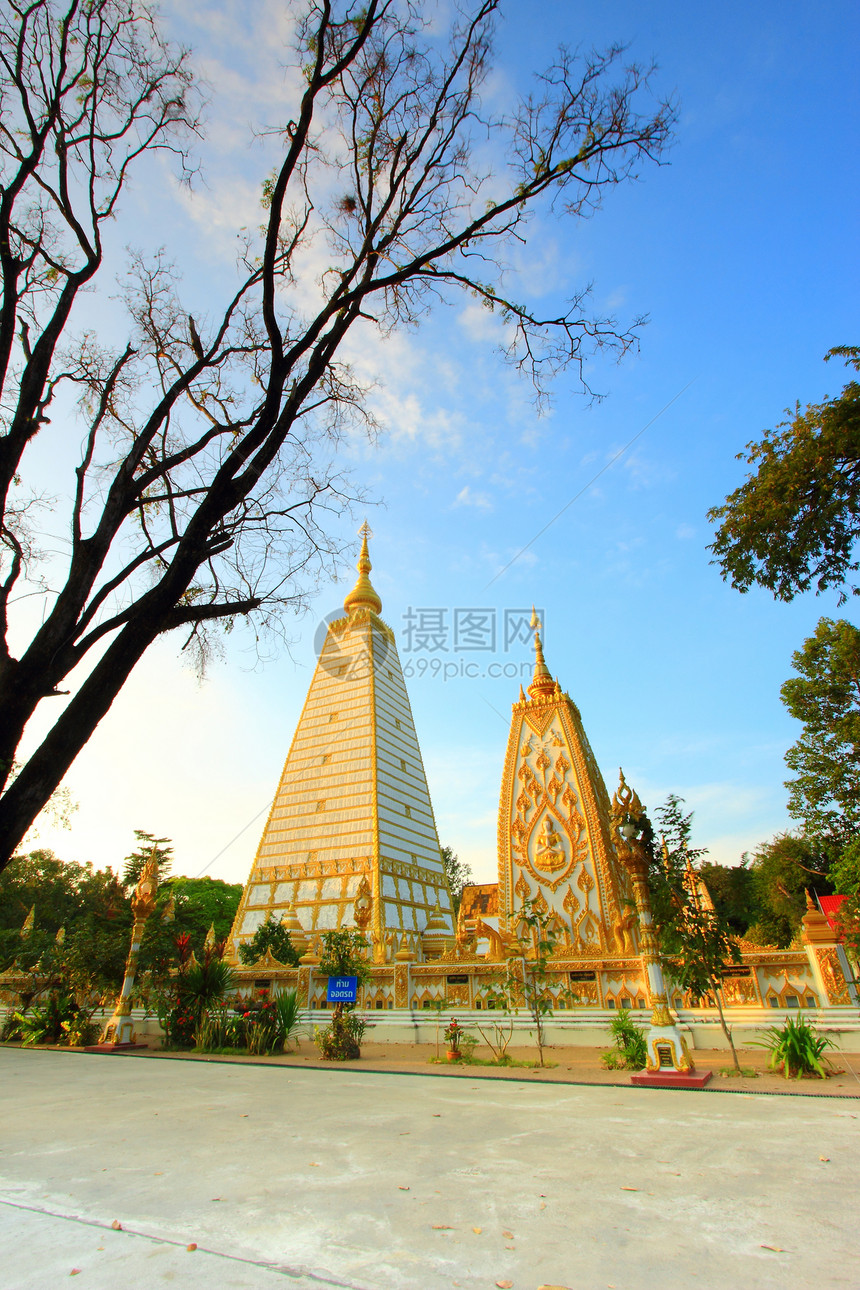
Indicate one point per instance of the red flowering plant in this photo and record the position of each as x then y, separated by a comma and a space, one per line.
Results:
197, 986
454, 1033
265, 1022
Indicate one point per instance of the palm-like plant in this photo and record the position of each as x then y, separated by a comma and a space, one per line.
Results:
796, 1048
207, 982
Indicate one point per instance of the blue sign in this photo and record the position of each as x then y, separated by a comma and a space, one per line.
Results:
342, 989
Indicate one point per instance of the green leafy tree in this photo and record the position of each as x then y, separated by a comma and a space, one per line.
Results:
40, 879
845, 878
732, 888
458, 874
207, 479
90, 906
782, 871
825, 697
344, 953
695, 941
146, 844
201, 903
794, 524
272, 936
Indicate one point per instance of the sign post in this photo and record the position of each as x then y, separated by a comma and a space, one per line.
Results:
342, 989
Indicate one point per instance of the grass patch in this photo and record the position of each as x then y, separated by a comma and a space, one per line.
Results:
745, 1072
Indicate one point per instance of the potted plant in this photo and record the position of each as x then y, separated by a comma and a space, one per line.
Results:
453, 1037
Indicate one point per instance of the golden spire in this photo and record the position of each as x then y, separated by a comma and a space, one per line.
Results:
363, 594
542, 682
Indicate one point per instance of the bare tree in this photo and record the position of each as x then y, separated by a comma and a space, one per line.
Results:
208, 470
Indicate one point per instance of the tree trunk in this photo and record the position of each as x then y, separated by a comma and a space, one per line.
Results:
30, 792
726, 1031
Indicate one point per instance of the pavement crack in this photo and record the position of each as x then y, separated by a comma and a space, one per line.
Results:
281, 1269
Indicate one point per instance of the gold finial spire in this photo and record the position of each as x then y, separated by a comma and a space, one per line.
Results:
363, 593
542, 682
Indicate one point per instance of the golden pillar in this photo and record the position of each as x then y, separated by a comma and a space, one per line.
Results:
119, 1030
667, 1047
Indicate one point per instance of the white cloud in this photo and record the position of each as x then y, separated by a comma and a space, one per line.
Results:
467, 497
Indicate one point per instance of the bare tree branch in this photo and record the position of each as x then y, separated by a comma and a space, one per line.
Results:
208, 475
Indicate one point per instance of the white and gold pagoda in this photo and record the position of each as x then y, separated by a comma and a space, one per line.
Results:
351, 838
555, 842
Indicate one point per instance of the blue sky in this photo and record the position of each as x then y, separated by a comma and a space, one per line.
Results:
741, 249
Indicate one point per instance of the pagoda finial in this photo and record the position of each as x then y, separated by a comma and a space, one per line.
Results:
363, 594
542, 681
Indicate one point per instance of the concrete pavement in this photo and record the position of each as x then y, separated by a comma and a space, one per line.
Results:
340, 1178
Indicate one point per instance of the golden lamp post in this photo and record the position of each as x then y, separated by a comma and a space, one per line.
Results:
668, 1060
119, 1029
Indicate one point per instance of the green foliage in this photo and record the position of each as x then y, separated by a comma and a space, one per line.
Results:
182, 1002
272, 936
782, 870
208, 981
217, 1031
289, 1015
90, 905
694, 939
135, 862
630, 1051
796, 1048
540, 929
732, 888
793, 525
58, 1019
201, 903
845, 879
93, 907
261, 1025
825, 697
40, 878
845, 871
695, 942
340, 1040
344, 953
458, 874
454, 1035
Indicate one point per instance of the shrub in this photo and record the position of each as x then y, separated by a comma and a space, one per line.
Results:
195, 989
43, 1023
81, 1030
630, 1048
340, 1041
796, 1048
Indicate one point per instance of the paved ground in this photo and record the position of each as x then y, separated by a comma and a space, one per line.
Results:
337, 1178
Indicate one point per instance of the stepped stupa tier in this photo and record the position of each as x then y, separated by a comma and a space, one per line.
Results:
351, 839
555, 842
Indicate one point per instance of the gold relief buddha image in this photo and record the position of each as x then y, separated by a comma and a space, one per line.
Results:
549, 853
